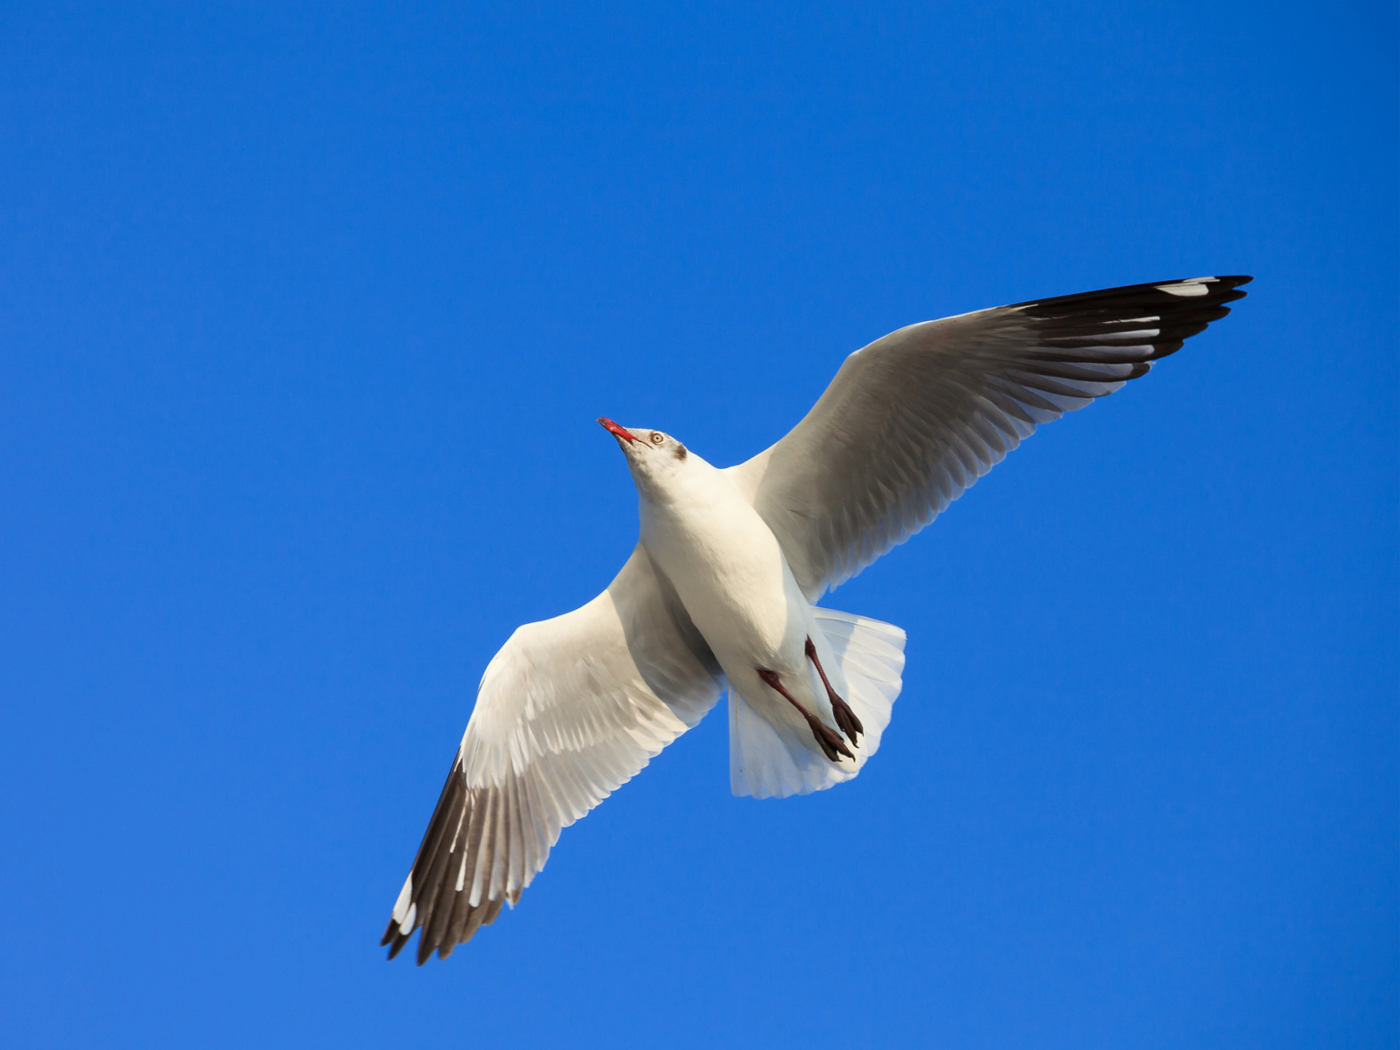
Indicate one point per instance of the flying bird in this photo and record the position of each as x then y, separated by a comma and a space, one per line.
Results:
720, 591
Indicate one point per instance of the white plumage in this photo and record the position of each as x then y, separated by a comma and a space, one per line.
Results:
718, 593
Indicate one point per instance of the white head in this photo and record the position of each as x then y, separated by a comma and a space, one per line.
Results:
657, 460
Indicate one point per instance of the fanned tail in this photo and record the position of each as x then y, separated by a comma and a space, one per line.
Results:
768, 761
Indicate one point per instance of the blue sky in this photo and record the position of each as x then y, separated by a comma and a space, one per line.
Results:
306, 312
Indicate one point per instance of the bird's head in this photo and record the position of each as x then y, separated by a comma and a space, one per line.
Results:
653, 457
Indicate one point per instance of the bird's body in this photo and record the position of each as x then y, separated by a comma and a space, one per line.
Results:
730, 574
720, 591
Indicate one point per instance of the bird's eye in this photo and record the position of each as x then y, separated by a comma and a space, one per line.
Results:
656, 438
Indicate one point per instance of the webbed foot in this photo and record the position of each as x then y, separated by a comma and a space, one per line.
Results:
827, 738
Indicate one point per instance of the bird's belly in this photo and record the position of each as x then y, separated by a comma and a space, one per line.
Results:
733, 580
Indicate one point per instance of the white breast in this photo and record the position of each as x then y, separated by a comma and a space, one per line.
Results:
728, 569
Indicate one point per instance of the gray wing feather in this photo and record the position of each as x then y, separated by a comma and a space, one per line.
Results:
569, 709
911, 421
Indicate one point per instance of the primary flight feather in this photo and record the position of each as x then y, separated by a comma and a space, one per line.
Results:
718, 592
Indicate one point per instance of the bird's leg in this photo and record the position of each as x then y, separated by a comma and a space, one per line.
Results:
830, 741
845, 717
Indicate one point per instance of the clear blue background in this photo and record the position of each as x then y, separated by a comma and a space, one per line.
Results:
306, 311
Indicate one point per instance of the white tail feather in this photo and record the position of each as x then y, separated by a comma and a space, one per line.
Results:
768, 761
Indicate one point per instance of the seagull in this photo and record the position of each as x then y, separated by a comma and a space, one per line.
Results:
719, 593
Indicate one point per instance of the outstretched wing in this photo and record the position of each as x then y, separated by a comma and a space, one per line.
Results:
567, 711
914, 419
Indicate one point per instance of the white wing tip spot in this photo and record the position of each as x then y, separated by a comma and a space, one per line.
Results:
1194, 286
405, 899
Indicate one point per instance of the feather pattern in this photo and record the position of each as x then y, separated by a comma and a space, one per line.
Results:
569, 710
911, 421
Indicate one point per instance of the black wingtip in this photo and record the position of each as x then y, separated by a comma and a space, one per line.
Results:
1099, 320
425, 949
1219, 289
1232, 285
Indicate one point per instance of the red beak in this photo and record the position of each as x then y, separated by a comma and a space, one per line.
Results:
616, 430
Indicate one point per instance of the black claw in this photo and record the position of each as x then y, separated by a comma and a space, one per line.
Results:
830, 740
846, 719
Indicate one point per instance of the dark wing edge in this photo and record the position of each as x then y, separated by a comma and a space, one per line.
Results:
457, 919
1083, 320
568, 711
